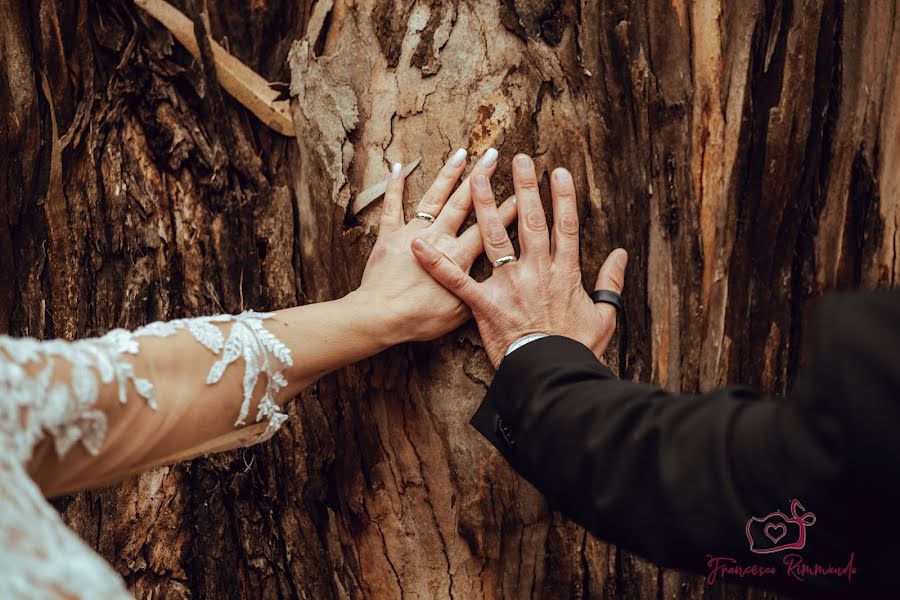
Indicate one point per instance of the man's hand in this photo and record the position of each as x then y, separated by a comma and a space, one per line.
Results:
405, 303
541, 292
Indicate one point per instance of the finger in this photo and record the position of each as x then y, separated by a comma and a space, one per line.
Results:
565, 219
392, 209
493, 232
470, 244
532, 223
446, 179
447, 273
612, 277
454, 213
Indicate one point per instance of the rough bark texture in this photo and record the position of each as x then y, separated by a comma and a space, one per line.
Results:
746, 154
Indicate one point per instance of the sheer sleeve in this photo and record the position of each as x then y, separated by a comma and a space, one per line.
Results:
57, 395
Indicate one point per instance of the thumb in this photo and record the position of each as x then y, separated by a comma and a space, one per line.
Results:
446, 272
612, 277
392, 210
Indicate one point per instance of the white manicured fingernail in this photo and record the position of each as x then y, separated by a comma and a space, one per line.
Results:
489, 157
561, 175
458, 157
396, 170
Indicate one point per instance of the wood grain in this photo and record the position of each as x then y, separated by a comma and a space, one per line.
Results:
747, 154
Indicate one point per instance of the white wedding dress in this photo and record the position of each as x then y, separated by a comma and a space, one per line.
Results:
50, 389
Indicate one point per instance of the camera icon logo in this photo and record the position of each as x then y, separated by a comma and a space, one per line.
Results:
777, 531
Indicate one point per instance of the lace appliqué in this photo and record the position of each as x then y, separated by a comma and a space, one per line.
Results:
51, 388
31, 405
249, 340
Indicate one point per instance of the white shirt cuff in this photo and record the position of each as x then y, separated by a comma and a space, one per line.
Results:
525, 339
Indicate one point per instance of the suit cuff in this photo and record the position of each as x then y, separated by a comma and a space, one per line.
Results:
521, 374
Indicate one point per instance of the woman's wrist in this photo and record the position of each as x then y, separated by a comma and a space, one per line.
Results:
375, 319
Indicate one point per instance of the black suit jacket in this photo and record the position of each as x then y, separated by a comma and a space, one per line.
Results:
676, 478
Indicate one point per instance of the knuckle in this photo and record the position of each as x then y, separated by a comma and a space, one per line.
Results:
568, 224
528, 184
566, 274
460, 280
457, 280
496, 235
535, 221
617, 277
429, 200
564, 196
484, 197
545, 279
433, 260
456, 204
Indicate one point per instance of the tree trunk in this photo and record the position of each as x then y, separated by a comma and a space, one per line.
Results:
747, 155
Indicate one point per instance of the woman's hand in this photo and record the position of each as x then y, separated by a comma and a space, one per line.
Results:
395, 288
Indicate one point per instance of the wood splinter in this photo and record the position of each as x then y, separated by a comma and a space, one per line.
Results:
373, 193
243, 83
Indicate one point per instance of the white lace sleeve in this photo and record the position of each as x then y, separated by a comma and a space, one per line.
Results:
39, 556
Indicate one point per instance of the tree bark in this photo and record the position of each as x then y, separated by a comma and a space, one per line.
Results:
747, 154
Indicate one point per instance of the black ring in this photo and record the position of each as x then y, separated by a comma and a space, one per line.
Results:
607, 296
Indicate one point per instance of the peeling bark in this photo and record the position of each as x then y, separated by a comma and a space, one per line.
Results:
747, 154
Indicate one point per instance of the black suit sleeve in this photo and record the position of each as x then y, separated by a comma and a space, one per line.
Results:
675, 477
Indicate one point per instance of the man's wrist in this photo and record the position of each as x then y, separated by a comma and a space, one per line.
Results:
525, 339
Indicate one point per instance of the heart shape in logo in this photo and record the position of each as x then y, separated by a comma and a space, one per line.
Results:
775, 531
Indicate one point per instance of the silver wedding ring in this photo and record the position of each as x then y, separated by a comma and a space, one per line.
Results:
424, 216
503, 260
